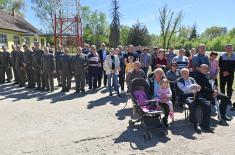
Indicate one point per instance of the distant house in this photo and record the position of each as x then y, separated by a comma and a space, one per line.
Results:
14, 29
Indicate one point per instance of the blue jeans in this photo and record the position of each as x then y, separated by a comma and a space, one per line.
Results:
115, 81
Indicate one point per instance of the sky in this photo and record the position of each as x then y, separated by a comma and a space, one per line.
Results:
205, 13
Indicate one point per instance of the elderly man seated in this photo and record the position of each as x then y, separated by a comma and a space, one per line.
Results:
189, 87
210, 93
136, 73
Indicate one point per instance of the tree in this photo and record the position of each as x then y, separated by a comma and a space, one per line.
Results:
95, 29
17, 5
169, 23
114, 37
45, 11
124, 35
139, 35
193, 34
213, 32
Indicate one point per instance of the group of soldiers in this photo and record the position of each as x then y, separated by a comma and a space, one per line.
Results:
38, 67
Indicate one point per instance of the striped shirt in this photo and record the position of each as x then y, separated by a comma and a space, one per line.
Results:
93, 60
182, 61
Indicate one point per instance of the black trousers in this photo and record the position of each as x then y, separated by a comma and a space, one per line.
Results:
165, 109
206, 110
225, 100
227, 81
29, 74
8, 72
93, 74
66, 80
102, 73
121, 77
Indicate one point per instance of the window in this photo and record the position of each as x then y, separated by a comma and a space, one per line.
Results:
27, 41
16, 40
42, 42
35, 40
3, 39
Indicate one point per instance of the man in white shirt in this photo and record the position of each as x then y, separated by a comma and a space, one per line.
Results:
189, 87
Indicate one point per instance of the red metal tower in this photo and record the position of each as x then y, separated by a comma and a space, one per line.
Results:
68, 24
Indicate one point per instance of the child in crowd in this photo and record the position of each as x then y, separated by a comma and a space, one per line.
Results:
164, 92
129, 65
214, 67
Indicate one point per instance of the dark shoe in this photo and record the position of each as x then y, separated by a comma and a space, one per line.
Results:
38, 88
94, 89
208, 129
59, 85
63, 90
29, 87
77, 91
8, 81
223, 123
233, 108
83, 91
226, 118
67, 90
110, 94
21, 85
119, 96
197, 128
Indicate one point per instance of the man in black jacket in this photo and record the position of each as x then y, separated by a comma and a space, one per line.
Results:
102, 54
209, 93
227, 68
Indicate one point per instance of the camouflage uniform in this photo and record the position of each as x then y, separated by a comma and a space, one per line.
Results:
48, 66
37, 68
79, 65
66, 73
6, 66
13, 64
57, 61
28, 55
20, 68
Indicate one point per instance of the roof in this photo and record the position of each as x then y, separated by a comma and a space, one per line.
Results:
16, 23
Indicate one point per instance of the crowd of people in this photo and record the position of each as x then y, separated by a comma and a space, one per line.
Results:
114, 67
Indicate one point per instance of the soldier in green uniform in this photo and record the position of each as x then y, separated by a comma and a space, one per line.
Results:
58, 53
79, 66
65, 70
6, 64
13, 63
28, 55
36, 63
21, 73
48, 69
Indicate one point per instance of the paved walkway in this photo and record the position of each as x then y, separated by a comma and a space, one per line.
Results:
57, 123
